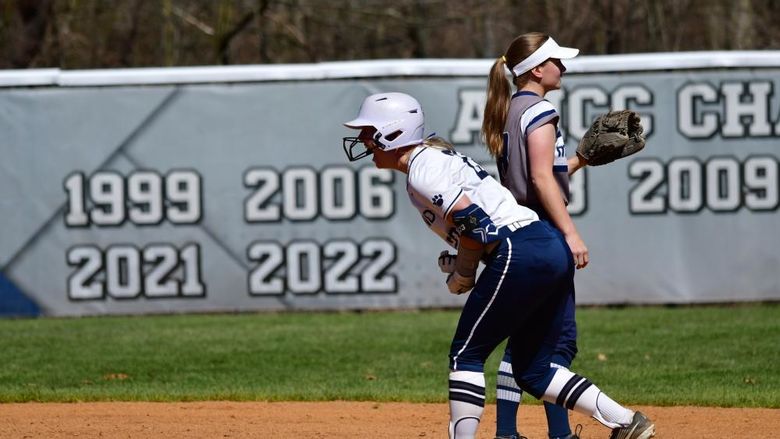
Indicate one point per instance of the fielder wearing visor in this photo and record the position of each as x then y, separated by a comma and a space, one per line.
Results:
549, 50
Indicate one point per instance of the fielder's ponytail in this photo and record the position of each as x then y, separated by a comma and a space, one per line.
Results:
499, 88
496, 108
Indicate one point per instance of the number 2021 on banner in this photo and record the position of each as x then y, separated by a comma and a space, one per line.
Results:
108, 199
124, 271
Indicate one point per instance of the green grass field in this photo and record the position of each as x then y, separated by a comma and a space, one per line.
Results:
706, 356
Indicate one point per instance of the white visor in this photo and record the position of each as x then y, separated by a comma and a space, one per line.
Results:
550, 49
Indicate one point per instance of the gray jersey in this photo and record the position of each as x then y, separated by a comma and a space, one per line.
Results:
527, 112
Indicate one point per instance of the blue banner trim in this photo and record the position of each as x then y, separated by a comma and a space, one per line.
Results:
13, 301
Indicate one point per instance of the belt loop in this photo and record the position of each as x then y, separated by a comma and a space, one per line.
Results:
514, 226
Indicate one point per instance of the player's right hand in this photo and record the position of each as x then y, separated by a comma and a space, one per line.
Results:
459, 284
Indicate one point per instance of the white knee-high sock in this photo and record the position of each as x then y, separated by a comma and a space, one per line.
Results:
467, 400
576, 393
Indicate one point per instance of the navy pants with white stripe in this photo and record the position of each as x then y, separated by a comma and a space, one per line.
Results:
566, 349
521, 295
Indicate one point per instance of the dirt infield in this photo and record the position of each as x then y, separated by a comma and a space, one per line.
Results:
337, 420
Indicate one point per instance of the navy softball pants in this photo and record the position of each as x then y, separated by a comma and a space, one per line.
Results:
522, 295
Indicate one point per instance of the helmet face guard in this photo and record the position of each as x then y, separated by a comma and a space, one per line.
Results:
379, 141
350, 143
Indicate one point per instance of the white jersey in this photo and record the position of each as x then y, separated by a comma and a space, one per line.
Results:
438, 178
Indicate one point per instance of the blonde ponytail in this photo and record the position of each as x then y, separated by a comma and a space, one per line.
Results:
496, 108
500, 89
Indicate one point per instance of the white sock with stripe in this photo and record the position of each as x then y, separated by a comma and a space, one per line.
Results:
506, 387
576, 393
508, 397
467, 400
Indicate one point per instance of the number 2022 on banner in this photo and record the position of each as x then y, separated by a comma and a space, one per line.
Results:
339, 266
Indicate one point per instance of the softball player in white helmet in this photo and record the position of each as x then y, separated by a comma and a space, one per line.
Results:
521, 292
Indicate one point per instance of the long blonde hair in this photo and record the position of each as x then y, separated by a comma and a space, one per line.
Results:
499, 89
438, 143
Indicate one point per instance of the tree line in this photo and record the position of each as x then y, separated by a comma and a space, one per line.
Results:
85, 34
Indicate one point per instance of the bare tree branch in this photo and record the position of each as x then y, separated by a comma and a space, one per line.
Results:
97, 33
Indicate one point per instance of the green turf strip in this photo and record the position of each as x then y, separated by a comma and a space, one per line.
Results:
714, 356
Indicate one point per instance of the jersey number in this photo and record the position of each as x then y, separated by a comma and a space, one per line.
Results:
481, 173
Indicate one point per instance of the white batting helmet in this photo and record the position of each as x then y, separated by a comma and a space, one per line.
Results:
398, 120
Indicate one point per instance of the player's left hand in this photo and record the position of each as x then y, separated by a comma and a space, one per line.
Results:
447, 261
612, 136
